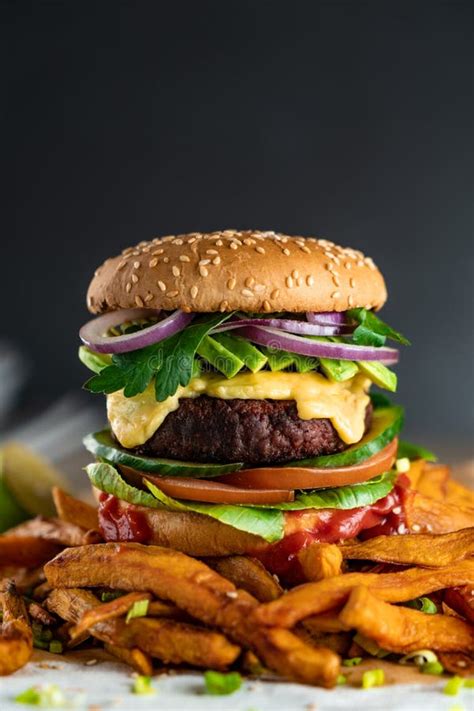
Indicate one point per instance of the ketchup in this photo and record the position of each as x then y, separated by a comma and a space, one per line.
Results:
385, 517
119, 522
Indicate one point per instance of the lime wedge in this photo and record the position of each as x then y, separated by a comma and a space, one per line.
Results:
29, 479
11, 514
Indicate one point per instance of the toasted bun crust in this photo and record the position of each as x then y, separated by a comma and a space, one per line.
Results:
237, 270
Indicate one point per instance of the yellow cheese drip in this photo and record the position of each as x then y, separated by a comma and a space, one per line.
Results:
134, 420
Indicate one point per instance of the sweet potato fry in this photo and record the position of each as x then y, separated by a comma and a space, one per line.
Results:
16, 638
107, 611
74, 511
459, 495
168, 640
134, 657
26, 551
424, 514
315, 598
320, 560
428, 550
432, 481
53, 529
198, 590
158, 608
461, 600
402, 630
327, 622
249, 574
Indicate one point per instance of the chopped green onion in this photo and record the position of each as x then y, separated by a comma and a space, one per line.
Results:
469, 683
457, 707
138, 609
373, 677
341, 680
370, 646
47, 696
109, 595
351, 662
219, 684
142, 685
40, 643
432, 668
453, 686
424, 604
419, 657
56, 647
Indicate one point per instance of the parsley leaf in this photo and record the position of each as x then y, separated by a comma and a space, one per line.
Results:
371, 330
171, 361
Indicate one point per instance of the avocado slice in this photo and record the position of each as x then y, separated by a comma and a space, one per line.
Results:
386, 424
338, 370
219, 357
253, 359
281, 360
11, 513
379, 374
103, 445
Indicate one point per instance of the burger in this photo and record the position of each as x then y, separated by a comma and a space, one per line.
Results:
239, 371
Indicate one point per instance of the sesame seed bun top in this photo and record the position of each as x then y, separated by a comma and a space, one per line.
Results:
245, 270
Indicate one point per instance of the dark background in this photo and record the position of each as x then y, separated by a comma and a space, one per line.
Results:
354, 121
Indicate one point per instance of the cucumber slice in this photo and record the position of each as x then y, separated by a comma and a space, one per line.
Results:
386, 424
103, 445
29, 478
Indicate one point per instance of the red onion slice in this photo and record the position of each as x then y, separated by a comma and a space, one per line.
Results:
327, 318
288, 325
295, 344
93, 332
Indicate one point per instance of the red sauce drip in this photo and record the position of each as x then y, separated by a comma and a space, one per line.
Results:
119, 522
385, 517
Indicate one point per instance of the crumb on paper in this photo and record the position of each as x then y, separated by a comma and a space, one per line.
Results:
91, 662
310, 707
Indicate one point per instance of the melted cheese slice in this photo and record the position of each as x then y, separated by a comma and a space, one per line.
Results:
134, 420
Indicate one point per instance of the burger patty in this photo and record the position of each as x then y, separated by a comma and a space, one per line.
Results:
207, 429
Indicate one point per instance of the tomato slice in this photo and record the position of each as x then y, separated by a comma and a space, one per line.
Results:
215, 492
311, 478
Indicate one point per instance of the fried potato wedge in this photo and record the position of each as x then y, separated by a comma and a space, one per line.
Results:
427, 550
198, 590
432, 481
26, 551
249, 574
134, 657
75, 511
24, 578
107, 611
53, 529
168, 640
403, 630
461, 600
459, 663
16, 638
459, 495
428, 515
315, 598
320, 560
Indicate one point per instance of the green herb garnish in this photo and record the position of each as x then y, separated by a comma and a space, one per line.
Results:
453, 686
49, 695
219, 684
372, 331
351, 662
341, 680
373, 677
432, 668
138, 609
142, 686
424, 604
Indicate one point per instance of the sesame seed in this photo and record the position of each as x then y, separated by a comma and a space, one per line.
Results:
259, 288
166, 260
416, 527
223, 305
134, 278
219, 243
162, 285
335, 295
146, 249
158, 251
401, 529
128, 287
176, 271
216, 260
136, 265
139, 300
300, 281
246, 292
267, 305
289, 282
233, 245
350, 300
184, 258
212, 251
153, 262
121, 265
461, 663
360, 263
305, 249
275, 294
250, 281
232, 594
295, 274
204, 262
179, 242
348, 265
203, 271
310, 280
231, 283
194, 291
335, 280
260, 249
352, 282
149, 297
397, 510
286, 252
